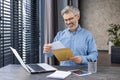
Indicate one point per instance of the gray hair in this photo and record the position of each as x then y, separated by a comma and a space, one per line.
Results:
72, 9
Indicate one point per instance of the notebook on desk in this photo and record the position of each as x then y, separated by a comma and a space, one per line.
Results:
33, 68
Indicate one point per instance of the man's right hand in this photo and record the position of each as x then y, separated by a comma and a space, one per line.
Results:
47, 48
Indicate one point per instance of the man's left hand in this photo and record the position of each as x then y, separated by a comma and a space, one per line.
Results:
76, 59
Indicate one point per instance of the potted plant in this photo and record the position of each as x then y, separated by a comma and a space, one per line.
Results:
114, 37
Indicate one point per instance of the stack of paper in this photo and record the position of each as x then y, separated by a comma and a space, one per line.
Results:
59, 74
60, 52
63, 54
57, 45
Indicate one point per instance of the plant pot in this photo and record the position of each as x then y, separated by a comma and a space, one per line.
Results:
115, 54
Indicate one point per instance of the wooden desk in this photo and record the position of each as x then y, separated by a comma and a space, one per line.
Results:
16, 72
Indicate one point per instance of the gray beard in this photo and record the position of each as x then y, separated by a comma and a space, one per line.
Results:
74, 26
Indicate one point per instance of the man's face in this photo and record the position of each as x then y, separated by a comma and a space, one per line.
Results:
71, 20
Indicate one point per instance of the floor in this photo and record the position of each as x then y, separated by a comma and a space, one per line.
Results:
104, 59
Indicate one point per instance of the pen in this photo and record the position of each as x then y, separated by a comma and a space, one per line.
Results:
94, 60
90, 60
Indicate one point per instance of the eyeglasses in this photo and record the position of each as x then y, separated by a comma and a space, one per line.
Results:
69, 19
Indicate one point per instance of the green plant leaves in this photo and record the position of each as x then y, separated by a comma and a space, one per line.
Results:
114, 34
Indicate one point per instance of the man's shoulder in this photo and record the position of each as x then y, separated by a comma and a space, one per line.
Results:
60, 34
86, 31
62, 31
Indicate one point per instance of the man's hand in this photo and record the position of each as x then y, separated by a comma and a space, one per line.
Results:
76, 59
47, 48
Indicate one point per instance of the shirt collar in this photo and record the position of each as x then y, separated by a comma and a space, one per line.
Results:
78, 29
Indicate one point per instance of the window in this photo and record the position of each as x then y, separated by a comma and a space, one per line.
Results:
19, 29
5, 32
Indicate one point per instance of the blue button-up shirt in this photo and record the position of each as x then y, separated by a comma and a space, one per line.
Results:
81, 43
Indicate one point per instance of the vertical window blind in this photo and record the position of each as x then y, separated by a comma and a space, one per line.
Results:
26, 30
19, 30
17, 26
5, 32
30, 31
35, 32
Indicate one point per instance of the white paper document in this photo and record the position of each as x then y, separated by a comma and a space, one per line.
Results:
57, 45
59, 74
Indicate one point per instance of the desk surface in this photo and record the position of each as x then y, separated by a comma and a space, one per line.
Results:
16, 72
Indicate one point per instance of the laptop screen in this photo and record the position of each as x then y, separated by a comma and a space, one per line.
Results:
19, 58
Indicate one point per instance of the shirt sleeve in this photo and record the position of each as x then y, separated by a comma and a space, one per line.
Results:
92, 52
57, 36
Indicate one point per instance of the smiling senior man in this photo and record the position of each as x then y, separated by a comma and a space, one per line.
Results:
75, 37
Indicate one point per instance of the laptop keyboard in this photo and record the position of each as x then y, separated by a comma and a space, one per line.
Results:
36, 67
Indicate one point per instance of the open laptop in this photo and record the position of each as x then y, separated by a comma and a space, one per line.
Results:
33, 68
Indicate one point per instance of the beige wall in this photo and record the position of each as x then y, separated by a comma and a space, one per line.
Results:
96, 15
